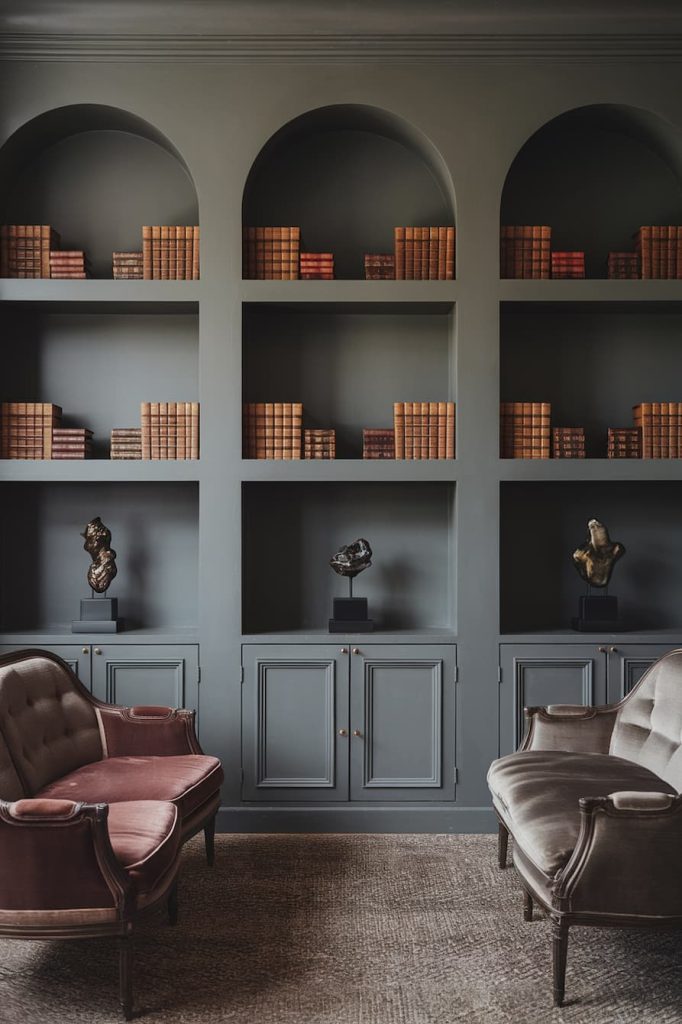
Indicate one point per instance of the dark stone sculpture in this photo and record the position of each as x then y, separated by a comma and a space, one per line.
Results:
352, 559
98, 546
596, 558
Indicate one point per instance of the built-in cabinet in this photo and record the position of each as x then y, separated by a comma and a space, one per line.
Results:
130, 674
533, 675
337, 722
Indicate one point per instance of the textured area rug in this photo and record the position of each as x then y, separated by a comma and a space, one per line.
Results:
348, 929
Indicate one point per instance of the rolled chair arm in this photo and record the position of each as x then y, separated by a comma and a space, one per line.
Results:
57, 860
575, 727
147, 731
626, 861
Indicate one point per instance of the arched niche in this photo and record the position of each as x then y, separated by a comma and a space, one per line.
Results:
348, 175
96, 174
596, 174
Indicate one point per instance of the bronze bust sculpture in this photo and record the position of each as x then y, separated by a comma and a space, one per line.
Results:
596, 558
98, 546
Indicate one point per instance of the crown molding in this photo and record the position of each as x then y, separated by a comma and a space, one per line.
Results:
376, 48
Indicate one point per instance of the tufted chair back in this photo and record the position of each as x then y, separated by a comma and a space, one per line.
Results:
648, 728
48, 727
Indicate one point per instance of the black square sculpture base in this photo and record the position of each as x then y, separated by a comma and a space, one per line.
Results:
597, 613
98, 615
350, 616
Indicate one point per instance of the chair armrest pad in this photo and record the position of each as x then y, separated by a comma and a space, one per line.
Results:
147, 731
626, 800
42, 809
575, 727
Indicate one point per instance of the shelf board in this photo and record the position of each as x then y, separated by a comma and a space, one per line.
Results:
572, 636
368, 296
97, 470
61, 634
351, 470
591, 291
544, 470
101, 296
381, 636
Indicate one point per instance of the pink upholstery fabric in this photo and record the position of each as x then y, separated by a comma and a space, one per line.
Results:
187, 780
145, 836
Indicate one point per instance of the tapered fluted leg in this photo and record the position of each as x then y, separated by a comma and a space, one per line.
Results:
209, 839
126, 976
173, 904
527, 906
502, 842
559, 953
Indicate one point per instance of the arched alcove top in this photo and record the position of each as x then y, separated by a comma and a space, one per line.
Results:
96, 174
52, 126
348, 174
595, 174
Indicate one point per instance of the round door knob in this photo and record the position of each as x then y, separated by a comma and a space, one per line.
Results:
98, 650
356, 650
356, 732
613, 650
602, 650
344, 650
85, 650
343, 732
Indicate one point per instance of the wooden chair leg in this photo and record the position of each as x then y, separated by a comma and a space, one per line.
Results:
173, 904
209, 840
527, 906
559, 954
502, 843
126, 975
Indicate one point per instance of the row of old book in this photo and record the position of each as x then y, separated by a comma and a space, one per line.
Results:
659, 248
33, 430
170, 252
424, 430
424, 253
169, 430
421, 430
660, 427
525, 430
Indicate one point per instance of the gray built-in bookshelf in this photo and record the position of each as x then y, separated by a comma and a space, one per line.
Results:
224, 585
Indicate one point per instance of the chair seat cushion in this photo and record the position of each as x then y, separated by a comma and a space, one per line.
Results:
145, 836
187, 780
537, 793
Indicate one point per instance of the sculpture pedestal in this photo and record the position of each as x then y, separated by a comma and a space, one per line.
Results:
350, 616
98, 615
597, 613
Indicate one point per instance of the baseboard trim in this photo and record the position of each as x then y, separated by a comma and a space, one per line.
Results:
440, 820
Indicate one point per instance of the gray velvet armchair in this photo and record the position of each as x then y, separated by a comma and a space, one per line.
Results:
592, 803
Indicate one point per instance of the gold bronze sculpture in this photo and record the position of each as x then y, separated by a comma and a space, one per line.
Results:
596, 558
98, 546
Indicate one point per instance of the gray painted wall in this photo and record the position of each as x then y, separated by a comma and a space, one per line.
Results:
218, 116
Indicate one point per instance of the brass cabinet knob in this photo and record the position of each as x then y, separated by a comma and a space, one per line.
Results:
613, 650
344, 650
98, 650
356, 732
343, 732
356, 650
85, 650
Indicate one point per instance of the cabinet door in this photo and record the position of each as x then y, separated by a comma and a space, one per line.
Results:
537, 674
76, 656
628, 663
295, 722
156, 674
402, 722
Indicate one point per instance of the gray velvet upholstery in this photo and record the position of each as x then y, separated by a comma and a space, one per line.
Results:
648, 728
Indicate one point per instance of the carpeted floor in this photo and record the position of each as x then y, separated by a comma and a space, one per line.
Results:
348, 929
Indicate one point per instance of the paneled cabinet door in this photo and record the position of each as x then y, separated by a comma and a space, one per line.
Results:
76, 656
157, 674
295, 732
627, 664
538, 674
402, 722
